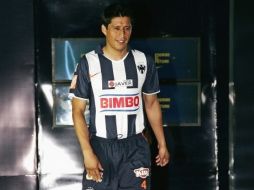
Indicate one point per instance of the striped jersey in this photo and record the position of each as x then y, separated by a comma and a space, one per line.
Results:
114, 90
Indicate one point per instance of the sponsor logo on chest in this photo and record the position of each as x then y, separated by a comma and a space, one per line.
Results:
120, 83
119, 102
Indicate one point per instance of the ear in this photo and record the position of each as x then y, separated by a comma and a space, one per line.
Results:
104, 29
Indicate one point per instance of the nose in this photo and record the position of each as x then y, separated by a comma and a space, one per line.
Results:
122, 32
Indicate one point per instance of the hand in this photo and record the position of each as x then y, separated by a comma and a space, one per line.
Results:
163, 156
93, 167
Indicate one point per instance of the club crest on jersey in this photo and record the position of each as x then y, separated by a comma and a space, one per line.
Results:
120, 83
141, 68
142, 172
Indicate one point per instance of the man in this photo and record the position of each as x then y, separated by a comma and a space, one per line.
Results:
117, 81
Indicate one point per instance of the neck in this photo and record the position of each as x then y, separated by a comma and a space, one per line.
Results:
114, 54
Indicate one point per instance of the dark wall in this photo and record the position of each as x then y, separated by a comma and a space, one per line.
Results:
17, 115
241, 67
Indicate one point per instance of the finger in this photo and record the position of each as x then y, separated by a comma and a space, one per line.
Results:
100, 167
93, 175
165, 161
98, 176
158, 159
89, 176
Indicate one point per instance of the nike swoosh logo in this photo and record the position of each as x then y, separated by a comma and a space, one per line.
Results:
92, 75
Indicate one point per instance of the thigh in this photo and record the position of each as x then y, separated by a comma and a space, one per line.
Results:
134, 173
108, 182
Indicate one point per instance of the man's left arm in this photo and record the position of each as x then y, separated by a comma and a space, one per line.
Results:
154, 115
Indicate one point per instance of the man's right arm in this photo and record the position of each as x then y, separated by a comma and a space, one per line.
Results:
92, 164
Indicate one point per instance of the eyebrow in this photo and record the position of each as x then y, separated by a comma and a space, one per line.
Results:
121, 25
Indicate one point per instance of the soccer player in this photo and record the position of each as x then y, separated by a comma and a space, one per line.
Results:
117, 81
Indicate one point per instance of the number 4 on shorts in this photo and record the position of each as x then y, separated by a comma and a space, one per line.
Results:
144, 185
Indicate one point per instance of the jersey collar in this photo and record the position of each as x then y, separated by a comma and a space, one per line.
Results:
99, 49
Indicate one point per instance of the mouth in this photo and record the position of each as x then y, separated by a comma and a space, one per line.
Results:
121, 41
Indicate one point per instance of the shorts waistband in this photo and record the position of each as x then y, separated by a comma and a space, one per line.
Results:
116, 139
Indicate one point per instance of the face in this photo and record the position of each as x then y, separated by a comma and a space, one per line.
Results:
118, 33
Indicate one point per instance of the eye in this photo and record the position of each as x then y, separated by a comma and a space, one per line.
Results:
127, 28
117, 28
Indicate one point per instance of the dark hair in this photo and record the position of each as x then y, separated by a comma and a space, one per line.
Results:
116, 10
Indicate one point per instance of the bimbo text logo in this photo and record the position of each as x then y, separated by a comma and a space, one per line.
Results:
119, 102
142, 172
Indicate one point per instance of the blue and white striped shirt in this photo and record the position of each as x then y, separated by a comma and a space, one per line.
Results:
114, 90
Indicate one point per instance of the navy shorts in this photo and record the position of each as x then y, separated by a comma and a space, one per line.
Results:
126, 164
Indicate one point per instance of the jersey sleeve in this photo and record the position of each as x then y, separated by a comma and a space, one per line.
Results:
82, 87
151, 84
73, 83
